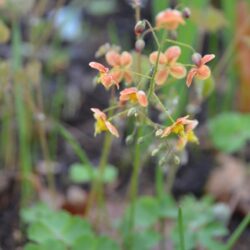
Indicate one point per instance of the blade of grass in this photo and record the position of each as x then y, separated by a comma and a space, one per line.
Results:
74, 144
181, 229
237, 233
22, 117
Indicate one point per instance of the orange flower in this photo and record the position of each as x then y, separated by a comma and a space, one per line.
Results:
183, 127
200, 71
169, 19
133, 95
168, 64
121, 64
102, 124
105, 77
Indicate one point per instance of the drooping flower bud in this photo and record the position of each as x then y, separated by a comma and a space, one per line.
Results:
139, 45
140, 27
196, 58
186, 13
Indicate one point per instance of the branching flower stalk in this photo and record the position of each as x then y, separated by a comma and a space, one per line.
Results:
136, 98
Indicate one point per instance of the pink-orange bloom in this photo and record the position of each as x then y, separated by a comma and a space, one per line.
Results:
133, 95
102, 124
105, 77
168, 65
169, 19
200, 71
183, 127
121, 64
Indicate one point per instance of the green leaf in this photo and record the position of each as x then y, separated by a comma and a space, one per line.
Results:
48, 245
81, 173
109, 175
32, 214
229, 131
145, 240
104, 243
87, 242
146, 211
167, 207
76, 229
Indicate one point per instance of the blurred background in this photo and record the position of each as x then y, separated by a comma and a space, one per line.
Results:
47, 90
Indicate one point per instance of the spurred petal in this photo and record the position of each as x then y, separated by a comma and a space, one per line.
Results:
203, 72
207, 58
172, 53
169, 19
101, 68
142, 98
113, 58
98, 114
190, 76
153, 58
107, 80
178, 71
161, 76
128, 77
116, 74
112, 129
126, 59
167, 131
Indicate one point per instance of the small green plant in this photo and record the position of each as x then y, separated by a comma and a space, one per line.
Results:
49, 229
80, 173
230, 131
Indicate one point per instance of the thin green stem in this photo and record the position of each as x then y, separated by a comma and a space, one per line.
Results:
181, 229
180, 44
158, 101
237, 233
153, 33
134, 181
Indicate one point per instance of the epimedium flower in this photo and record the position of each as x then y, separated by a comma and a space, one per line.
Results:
183, 127
169, 19
102, 124
201, 71
133, 95
168, 65
121, 64
105, 77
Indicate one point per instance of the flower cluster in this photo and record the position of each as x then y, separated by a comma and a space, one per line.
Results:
164, 64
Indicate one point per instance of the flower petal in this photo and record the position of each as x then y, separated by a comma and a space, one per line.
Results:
178, 71
207, 58
128, 77
203, 72
112, 129
167, 131
161, 76
101, 68
153, 58
173, 53
191, 74
126, 59
142, 98
98, 113
169, 19
113, 58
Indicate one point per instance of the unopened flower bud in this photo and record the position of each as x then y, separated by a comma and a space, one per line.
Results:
186, 13
155, 152
177, 160
196, 58
139, 45
140, 27
173, 34
162, 161
140, 140
129, 139
131, 112
158, 132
